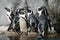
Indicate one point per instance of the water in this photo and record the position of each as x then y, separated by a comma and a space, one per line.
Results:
24, 37
30, 36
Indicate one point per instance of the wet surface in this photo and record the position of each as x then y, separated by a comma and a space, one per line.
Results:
24, 37
30, 36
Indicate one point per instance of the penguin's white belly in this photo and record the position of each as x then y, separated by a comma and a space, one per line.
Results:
8, 20
23, 25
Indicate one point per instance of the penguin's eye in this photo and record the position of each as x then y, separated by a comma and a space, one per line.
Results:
29, 11
22, 9
39, 9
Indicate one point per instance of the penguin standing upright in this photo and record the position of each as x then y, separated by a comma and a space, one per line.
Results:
22, 21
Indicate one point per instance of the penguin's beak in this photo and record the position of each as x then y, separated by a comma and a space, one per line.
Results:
7, 9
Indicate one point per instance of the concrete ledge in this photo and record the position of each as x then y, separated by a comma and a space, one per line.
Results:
30, 34
4, 28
